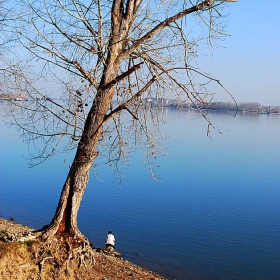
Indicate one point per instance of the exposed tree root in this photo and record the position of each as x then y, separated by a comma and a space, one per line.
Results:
84, 254
63, 254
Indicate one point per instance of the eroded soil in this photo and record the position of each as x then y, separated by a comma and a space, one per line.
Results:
17, 262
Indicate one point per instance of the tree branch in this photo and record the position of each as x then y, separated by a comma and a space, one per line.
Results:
122, 76
165, 23
135, 97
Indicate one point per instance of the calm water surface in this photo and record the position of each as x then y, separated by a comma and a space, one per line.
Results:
213, 215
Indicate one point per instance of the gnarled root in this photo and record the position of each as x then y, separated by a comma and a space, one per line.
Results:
63, 255
82, 255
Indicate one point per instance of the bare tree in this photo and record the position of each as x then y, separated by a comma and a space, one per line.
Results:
103, 58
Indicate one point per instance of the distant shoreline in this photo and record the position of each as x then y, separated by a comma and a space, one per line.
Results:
251, 107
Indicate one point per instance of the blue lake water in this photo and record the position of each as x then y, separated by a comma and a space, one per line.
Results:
213, 215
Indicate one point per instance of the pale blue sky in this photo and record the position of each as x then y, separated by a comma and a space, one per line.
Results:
248, 61
248, 65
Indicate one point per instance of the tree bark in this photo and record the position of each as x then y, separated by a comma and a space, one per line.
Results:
65, 218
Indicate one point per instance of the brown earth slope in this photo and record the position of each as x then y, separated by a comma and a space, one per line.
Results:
17, 262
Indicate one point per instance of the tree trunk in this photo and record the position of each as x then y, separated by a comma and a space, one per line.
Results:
65, 218
64, 221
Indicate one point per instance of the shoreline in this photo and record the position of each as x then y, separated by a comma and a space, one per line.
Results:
15, 255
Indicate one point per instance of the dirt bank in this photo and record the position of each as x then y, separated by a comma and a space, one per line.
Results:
17, 262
